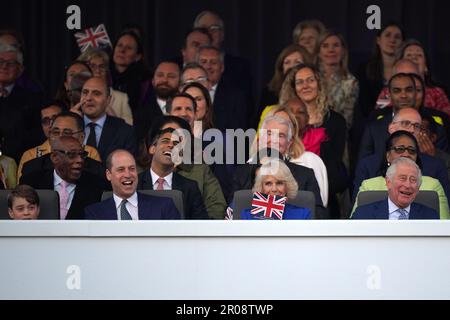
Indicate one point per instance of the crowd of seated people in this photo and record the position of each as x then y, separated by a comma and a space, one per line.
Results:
114, 125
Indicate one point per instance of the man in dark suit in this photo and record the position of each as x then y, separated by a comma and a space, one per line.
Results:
76, 188
403, 179
126, 203
165, 83
161, 175
402, 90
104, 132
19, 107
233, 106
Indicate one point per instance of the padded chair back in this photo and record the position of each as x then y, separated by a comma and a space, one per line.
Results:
427, 198
243, 200
49, 204
175, 195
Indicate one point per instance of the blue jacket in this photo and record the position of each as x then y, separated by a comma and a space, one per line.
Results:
149, 208
379, 210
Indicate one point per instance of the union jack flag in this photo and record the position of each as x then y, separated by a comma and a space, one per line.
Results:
95, 37
267, 206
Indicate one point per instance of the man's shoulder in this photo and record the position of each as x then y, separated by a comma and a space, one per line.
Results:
117, 123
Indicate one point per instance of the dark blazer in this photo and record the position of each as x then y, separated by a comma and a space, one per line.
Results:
88, 190
146, 114
368, 167
194, 208
20, 122
149, 208
233, 106
379, 210
244, 178
45, 163
116, 134
376, 133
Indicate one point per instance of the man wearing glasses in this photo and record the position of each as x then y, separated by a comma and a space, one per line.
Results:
76, 187
19, 107
65, 124
407, 119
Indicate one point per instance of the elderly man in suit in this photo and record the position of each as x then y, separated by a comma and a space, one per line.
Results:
76, 187
104, 132
403, 179
126, 203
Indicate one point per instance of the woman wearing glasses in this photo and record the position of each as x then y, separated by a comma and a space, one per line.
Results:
404, 144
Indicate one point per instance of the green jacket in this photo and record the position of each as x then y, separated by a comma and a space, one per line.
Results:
209, 187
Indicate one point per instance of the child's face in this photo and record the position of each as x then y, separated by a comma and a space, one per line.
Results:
22, 209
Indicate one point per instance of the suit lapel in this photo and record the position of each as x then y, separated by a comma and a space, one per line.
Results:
382, 210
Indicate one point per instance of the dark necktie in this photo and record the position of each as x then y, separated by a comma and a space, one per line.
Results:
91, 140
124, 214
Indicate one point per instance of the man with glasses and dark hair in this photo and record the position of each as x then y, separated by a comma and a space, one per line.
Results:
65, 124
76, 187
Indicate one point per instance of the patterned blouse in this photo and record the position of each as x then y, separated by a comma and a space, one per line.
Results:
342, 95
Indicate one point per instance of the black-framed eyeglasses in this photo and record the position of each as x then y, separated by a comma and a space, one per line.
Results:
55, 132
73, 154
402, 149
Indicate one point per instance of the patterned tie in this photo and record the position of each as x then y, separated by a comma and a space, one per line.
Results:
403, 214
160, 182
124, 214
91, 140
63, 199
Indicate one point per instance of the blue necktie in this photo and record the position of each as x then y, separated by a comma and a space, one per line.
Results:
124, 214
403, 214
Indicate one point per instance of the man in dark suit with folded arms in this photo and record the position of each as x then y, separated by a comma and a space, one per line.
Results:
76, 187
161, 174
126, 203
403, 180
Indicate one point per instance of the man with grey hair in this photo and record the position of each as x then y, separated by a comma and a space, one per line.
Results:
403, 180
237, 69
193, 72
233, 105
19, 107
276, 136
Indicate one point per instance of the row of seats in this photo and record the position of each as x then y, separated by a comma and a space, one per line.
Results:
49, 201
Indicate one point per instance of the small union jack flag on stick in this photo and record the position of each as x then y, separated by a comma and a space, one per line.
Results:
268, 206
95, 37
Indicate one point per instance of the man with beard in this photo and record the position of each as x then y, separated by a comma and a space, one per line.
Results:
165, 83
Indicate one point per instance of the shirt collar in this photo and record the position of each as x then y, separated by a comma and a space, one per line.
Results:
393, 207
9, 88
133, 200
57, 180
167, 178
162, 104
100, 122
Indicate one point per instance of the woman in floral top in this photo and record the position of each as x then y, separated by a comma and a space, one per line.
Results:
340, 85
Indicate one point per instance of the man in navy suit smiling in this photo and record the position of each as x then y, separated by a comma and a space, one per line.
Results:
126, 203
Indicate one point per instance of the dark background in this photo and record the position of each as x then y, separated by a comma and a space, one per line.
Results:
255, 29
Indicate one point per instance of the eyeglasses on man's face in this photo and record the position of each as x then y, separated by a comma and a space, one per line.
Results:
56, 132
402, 149
408, 124
8, 63
73, 154
199, 80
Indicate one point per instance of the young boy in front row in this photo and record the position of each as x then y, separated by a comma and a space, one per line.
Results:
23, 203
